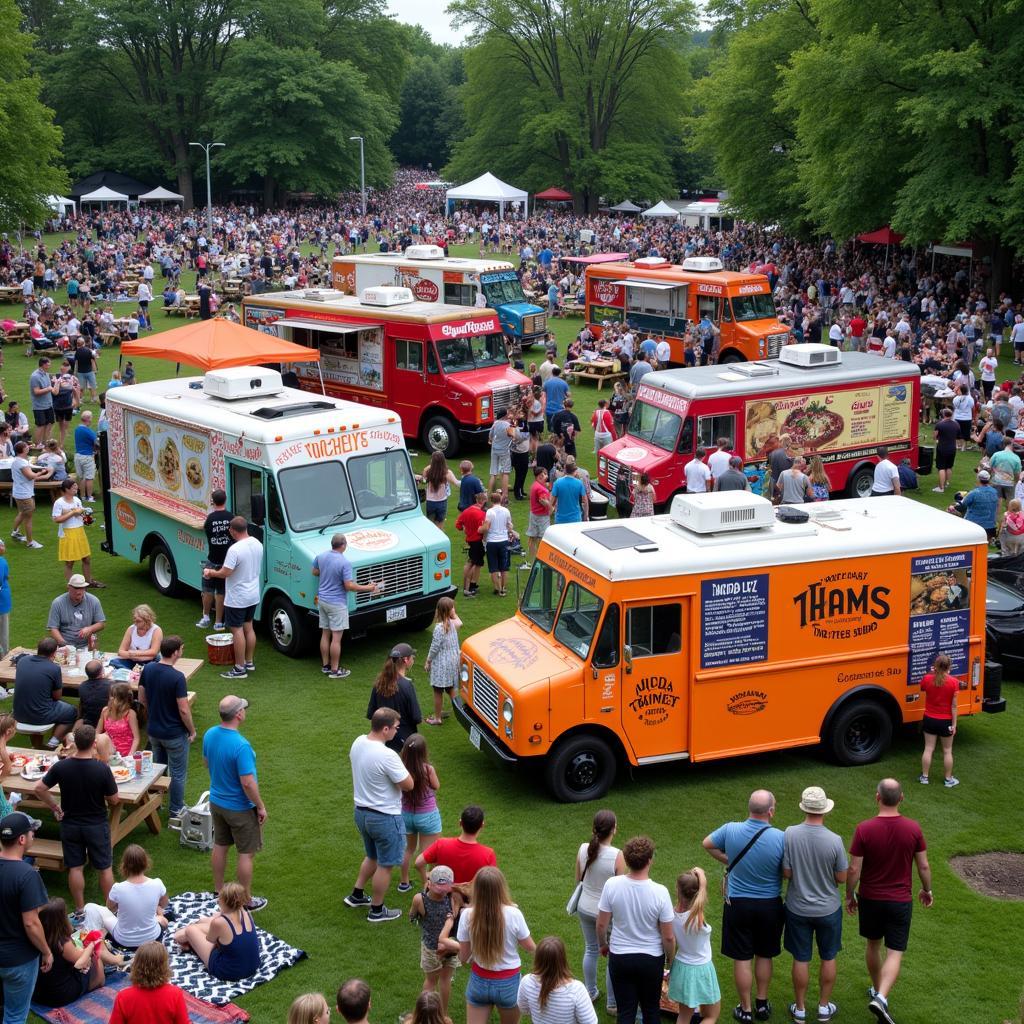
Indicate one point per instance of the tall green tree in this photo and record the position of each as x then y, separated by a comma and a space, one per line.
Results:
30, 164
430, 118
165, 57
583, 92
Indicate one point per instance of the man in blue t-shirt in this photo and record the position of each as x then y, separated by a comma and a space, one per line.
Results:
335, 578
164, 695
469, 486
753, 916
981, 504
85, 455
555, 392
236, 807
570, 502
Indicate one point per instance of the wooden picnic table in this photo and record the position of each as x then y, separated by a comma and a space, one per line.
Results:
10, 293
141, 799
600, 370
74, 677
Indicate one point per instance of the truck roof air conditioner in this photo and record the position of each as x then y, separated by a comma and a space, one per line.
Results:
237, 382
651, 261
424, 252
386, 295
808, 355
702, 264
721, 512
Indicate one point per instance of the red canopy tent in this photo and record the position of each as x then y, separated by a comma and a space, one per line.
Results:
883, 236
554, 195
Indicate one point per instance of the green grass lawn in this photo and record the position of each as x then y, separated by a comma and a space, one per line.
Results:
960, 962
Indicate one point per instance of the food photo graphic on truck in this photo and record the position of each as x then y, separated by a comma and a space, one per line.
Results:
719, 630
433, 277
298, 468
840, 406
444, 369
665, 299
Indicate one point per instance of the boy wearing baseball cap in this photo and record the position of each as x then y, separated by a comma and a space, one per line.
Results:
436, 909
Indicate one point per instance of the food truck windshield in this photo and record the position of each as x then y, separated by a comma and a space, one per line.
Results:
580, 613
472, 353
753, 307
655, 425
332, 493
502, 288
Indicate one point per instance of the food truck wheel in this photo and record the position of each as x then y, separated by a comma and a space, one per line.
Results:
732, 356
441, 435
163, 573
289, 631
580, 768
861, 482
860, 732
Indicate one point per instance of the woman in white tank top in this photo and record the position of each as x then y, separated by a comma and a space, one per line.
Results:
596, 862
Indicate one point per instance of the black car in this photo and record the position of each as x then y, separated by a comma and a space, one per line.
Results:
1004, 614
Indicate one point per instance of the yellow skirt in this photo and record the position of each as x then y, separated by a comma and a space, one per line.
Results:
74, 545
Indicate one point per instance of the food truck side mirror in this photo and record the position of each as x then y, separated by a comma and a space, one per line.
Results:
259, 509
627, 657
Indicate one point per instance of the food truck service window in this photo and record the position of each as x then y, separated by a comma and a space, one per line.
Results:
711, 428
460, 294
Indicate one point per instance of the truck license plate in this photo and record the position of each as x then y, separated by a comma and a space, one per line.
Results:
474, 736
396, 614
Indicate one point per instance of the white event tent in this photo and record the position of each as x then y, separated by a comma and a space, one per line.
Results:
487, 189
161, 195
661, 210
104, 195
60, 204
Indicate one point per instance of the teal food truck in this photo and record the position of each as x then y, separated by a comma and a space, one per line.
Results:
299, 467
433, 277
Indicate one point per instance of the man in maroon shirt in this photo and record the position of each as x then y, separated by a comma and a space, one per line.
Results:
882, 855
463, 854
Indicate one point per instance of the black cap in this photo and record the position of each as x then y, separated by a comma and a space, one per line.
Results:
17, 823
402, 651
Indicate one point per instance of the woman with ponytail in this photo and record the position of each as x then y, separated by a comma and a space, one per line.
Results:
693, 983
392, 689
596, 862
940, 691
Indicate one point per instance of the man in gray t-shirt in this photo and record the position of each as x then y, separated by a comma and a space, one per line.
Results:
794, 485
76, 615
40, 388
733, 479
814, 861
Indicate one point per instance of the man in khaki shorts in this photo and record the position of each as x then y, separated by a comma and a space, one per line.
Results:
236, 807
335, 579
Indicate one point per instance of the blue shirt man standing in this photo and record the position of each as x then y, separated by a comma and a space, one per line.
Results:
555, 392
335, 576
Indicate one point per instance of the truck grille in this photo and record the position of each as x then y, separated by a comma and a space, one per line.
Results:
507, 397
775, 343
613, 474
535, 324
485, 696
401, 576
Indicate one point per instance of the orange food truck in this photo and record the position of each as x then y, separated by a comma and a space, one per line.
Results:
442, 368
838, 405
721, 630
663, 299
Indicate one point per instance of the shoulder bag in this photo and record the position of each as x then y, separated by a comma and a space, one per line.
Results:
574, 900
739, 856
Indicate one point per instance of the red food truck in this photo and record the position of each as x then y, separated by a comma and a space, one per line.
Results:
443, 368
663, 299
839, 405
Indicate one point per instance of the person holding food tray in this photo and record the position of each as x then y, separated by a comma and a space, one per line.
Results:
73, 544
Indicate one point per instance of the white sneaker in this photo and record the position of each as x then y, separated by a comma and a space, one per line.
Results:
35, 544
203, 622
17, 535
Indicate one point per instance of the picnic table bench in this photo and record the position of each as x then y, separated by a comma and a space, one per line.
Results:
600, 370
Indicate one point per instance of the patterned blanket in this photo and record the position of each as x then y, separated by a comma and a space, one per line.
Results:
95, 1007
187, 970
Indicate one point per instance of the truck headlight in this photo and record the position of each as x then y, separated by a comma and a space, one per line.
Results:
464, 674
602, 464
506, 710
485, 406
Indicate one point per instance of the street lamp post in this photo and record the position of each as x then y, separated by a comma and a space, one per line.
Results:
362, 168
206, 147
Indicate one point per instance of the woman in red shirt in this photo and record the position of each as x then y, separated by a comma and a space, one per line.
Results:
940, 690
150, 999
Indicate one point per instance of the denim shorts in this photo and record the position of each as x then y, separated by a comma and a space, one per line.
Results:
437, 510
383, 836
426, 824
500, 992
801, 931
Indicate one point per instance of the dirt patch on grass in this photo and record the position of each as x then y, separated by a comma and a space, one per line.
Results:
999, 875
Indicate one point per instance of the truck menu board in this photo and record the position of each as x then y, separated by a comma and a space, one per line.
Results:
734, 620
940, 612
169, 458
830, 421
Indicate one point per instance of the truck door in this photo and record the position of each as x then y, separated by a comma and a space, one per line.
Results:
655, 674
416, 377
253, 493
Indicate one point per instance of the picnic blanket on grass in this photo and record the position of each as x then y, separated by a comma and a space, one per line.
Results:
96, 1007
187, 970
